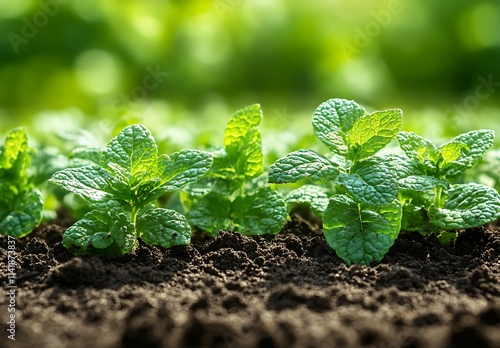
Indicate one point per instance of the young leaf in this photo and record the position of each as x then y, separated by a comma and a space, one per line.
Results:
370, 182
242, 140
360, 234
418, 149
466, 150
467, 205
13, 153
333, 119
133, 151
302, 164
371, 133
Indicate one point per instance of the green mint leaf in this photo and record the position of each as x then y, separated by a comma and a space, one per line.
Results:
418, 149
13, 153
262, 211
183, 168
164, 227
401, 165
302, 164
315, 196
370, 182
20, 218
211, 213
464, 151
371, 133
359, 234
451, 151
131, 153
333, 119
467, 205
243, 143
421, 183
92, 183
92, 230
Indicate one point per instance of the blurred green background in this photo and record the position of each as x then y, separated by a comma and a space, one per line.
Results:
182, 66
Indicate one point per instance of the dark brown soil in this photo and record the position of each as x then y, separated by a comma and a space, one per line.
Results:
289, 290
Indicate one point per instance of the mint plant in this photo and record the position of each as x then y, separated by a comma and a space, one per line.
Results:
122, 188
21, 203
363, 216
233, 196
433, 198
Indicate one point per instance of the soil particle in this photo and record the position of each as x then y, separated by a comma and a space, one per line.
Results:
288, 290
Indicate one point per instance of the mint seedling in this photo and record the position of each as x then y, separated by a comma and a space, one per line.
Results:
429, 188
231, 196
362, 219
21, 203
122, 187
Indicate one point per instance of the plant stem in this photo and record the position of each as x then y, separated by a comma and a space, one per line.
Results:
437, 198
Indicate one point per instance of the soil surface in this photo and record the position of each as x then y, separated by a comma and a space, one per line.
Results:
288, 290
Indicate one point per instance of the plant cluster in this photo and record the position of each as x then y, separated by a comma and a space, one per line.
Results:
364, 193
21, 203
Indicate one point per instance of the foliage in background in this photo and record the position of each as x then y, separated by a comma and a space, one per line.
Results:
21, 203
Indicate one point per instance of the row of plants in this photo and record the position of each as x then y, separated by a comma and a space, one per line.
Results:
365, 192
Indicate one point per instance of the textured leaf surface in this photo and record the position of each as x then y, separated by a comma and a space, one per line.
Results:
133, 150
401, 165
333, 119
419, 150
163, 227
92, 183
92, 228
24, 216
13, 152
302, 164
371, 133
359, 234
243, 143
464, 151
467, 205
315, 196
183, 168
262, 211
370, 182
421, 183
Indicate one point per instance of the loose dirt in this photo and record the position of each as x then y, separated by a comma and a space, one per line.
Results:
288, 290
